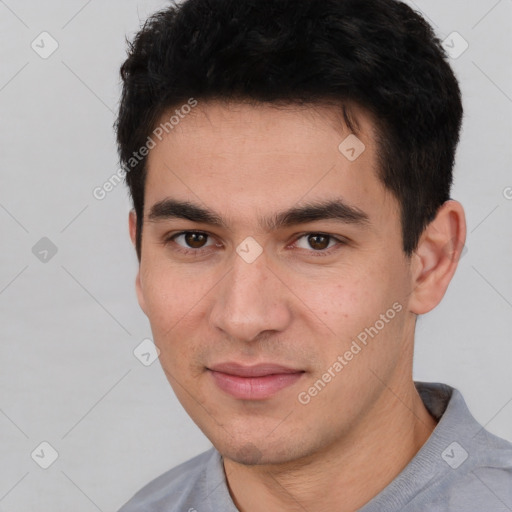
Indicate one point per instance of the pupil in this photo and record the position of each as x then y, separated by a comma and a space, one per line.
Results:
313, 241
195, 240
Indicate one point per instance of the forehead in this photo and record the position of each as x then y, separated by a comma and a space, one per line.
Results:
280, 127
253, 158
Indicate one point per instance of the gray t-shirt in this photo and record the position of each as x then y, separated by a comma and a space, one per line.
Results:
461, 468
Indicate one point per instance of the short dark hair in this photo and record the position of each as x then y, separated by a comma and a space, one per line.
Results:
380, 55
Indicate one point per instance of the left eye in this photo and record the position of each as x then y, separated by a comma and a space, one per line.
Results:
317, 241
192, 239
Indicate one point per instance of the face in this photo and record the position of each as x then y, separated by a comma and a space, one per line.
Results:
278, 293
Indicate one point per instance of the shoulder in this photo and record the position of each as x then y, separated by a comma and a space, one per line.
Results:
484, 483
177, 488
473, 466
487, 479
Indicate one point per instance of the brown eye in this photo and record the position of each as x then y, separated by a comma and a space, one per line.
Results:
190, 242
195, 240
319, 242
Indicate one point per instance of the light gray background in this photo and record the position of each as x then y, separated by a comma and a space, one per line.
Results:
69, 325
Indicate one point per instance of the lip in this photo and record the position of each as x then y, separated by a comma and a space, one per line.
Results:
257, 382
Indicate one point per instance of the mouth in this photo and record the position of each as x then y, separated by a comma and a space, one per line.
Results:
257, 382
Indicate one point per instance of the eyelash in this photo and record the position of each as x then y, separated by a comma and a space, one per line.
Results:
201, 251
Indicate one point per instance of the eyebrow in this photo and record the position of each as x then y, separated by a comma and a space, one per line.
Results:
336, 209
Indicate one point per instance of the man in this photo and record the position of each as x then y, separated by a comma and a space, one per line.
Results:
290, 164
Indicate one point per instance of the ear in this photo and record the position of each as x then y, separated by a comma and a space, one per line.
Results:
132, 224
437, 256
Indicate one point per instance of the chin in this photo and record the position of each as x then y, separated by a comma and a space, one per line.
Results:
254, 454
247, 454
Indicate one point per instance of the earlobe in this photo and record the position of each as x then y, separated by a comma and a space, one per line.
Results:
140, 292
437, 256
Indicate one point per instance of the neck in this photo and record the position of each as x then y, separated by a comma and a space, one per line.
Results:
347, 474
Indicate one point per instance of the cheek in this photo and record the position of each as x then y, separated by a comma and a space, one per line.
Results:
177, 300
365, 316
170, 296
365, 304
347, 299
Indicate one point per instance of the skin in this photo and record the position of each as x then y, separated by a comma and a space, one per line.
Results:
291, 306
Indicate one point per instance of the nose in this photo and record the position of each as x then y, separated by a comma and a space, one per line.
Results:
250, 300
